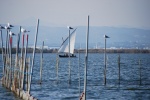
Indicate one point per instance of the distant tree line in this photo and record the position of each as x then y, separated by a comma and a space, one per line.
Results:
30, 50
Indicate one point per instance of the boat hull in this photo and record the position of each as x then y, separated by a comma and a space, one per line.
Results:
66, 56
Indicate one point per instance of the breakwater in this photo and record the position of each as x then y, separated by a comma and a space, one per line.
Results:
30, 50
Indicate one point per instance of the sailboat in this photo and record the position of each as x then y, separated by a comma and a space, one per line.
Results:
64, 48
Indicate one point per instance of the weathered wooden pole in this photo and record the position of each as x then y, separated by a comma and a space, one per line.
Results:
16, 73
69, 59
21, 61
29, 74
105, 64
140, 71
57, 65
2, 51
32, 64
69, 55
79, 68
11, 73
6, 42
119, 67
20, 65
6, 59
22, 50
24, 65
10, 61
86, 61
41, 63
105, 70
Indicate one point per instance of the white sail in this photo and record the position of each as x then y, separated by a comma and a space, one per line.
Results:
65, 45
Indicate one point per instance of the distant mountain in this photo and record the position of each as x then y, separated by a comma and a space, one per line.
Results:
120, 37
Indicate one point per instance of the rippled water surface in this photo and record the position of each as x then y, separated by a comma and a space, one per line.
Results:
58, 88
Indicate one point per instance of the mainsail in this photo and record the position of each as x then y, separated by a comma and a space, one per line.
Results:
64, 48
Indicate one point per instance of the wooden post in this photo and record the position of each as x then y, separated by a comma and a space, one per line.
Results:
22, 76
41, 63
24, 64
105, 64
6, 43
6, 60
69, 58
29, 75
3, 58
22, 50
21, 73
15, 80
79, 68
10, 62
86, 60
57, 65
26, 78
2, 51
34, 53
20, 63
140, 71
119, 67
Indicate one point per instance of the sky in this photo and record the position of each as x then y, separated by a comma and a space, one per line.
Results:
116, 13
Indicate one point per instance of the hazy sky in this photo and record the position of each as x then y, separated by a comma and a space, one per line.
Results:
128, 13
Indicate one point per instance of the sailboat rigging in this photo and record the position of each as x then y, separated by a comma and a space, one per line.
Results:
64, 48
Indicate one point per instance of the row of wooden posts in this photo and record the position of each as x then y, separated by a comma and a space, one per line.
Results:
17, 74
83, 95
17, 71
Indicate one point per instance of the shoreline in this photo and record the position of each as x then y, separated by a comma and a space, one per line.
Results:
30, 50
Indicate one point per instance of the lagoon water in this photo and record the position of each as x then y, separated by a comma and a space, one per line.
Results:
58, 88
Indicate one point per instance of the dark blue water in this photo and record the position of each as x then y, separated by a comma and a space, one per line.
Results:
59, 89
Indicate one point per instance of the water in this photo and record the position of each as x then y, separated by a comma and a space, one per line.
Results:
59, 89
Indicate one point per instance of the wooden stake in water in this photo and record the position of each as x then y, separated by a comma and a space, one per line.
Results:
24, 64
105, 70
140, 71
69, 57
57, 65
6, 59
15, 81
41, 63
22, 50
21, 67
105, 64
119, 67
32, 64
79, 69
2, 50
6, 43
10, 62
86, 61
28, 75
19, 75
